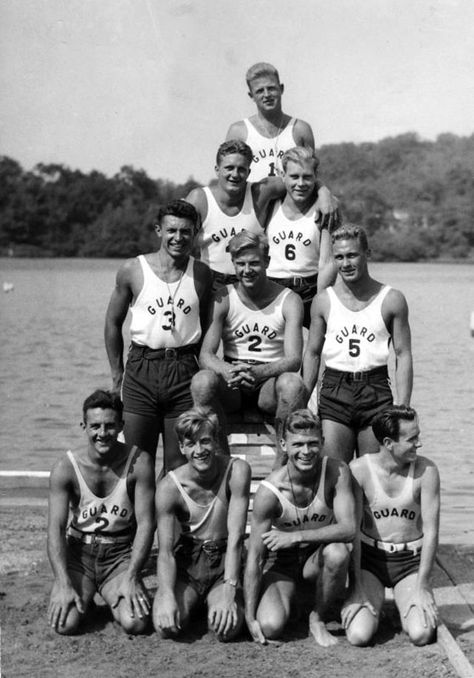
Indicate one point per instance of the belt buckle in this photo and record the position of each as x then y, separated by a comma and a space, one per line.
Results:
392, 548
170, 353
358, 376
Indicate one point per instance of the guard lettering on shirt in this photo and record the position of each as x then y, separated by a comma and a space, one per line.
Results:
297, 236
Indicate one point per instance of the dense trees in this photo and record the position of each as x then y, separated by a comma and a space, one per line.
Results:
415, 197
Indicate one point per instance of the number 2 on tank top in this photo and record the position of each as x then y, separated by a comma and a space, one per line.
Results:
254, 343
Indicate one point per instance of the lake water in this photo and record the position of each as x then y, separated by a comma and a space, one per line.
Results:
52, 355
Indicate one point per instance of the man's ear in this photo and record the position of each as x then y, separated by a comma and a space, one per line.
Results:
250, 94
283, 444
282, 87
82, 425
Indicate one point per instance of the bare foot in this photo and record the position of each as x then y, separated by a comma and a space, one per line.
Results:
319, 631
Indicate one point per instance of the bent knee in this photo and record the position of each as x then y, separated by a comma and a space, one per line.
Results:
272, 625
336, 556
69, 628
134, 627
289, 385
204, 385
422, 635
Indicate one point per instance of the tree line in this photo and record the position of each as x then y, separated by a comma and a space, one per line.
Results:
414, 197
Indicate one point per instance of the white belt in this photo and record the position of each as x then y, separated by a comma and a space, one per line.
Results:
391, 547
97, 538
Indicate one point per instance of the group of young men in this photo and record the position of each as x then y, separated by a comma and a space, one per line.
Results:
217, 318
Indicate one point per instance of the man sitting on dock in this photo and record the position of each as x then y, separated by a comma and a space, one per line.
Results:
208, 497
109, 487
397, 498
303, 518
260, 324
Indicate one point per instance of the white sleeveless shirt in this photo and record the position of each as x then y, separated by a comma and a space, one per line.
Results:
154, 307
267, 153
218, 228
316, 514
254, 334
393, 519
111, 515
294, 244
356, 341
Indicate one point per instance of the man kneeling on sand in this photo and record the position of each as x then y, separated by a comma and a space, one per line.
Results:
208, 497
109, 487
397, 499
303, 518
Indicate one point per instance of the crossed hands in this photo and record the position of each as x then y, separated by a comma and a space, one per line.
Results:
241, 375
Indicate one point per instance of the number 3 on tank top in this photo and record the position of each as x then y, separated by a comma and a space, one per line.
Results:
254, 343
354, 347
172, 320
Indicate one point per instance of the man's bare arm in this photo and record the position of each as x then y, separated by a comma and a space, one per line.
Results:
303, 134
327, 269
314, 347
399, 328
115, 316
265, 506
64, 595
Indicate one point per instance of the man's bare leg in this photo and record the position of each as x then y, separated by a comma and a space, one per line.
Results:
334, 560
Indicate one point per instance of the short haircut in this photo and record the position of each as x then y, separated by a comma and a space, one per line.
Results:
105, 400
351, 232
178, 208
386, 424
189, 424
300, 154
259, 70
301, 420
234, 146
245, 240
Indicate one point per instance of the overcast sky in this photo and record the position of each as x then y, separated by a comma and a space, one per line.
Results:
97, 84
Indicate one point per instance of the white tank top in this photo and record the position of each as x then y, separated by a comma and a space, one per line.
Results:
254, 334
113, 515
356, 341
267, 153
218, 228
294, 244
394, 519
207, 521
316, 514
153, 309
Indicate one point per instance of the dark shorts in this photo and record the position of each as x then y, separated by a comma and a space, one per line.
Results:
354, 399
157, 383
98, 562
306, 288
389, 568
289, 562
200, 563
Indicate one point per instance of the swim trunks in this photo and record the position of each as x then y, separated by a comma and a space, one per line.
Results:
389, 568
289, 562
157, 381
99, 562
200, 563
305, 288
354, 398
